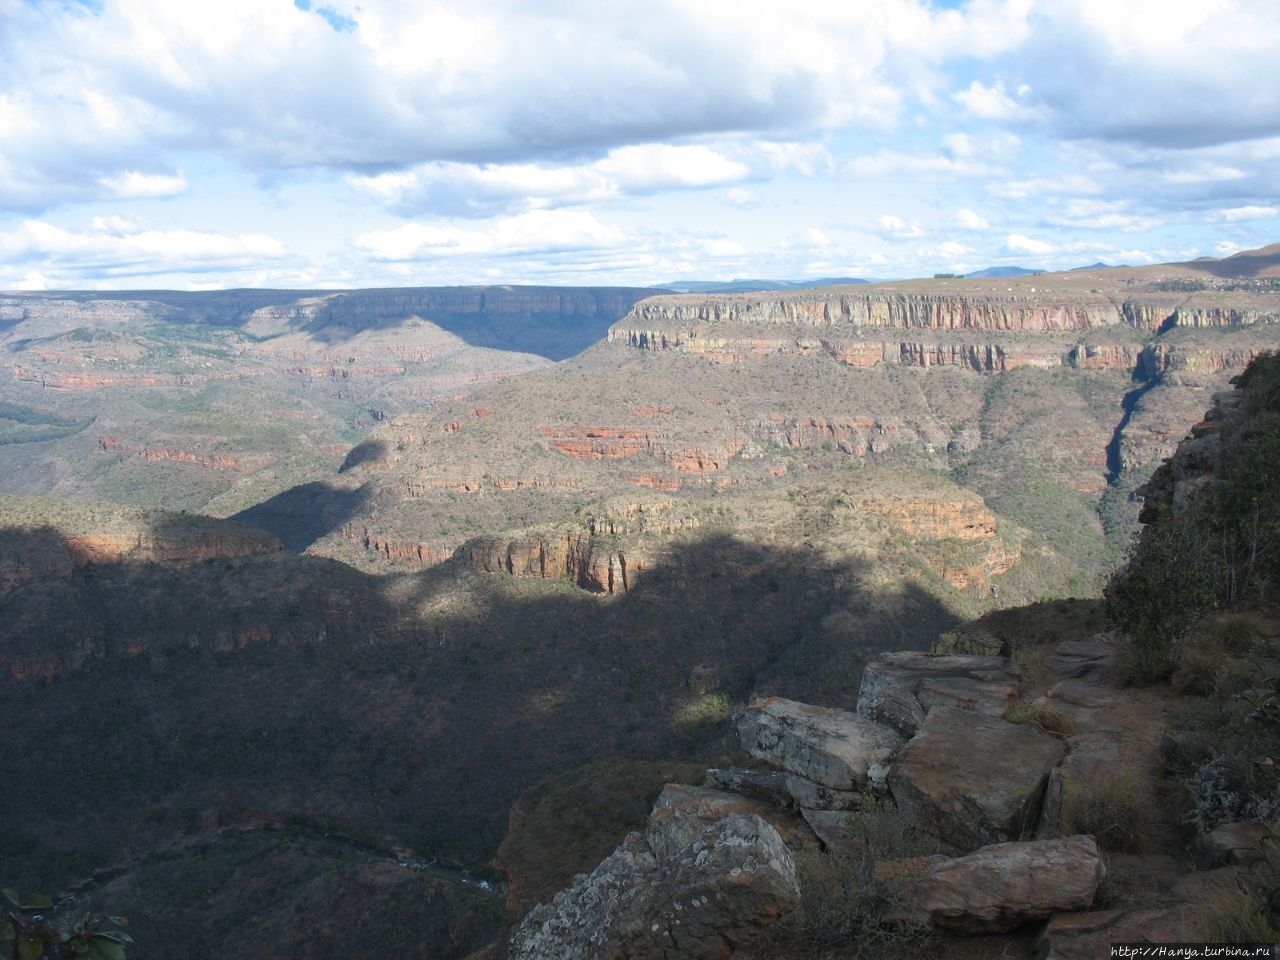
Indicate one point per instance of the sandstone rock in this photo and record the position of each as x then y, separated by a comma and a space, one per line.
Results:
997, 888
831, 827
972, 779
818, 796
1082, 693
899, 689
1088, 936
682, 812
830, 747
1078, 658
1231, 843
769, 786
711, 897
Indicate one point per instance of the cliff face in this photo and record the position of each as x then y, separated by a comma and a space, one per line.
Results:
44, 539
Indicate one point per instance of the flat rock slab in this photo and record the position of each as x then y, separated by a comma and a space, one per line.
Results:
829, 747
1083, 693
682, 812
1079, 658
971, 779
1088, 936
708, 899
997, 888
899, 689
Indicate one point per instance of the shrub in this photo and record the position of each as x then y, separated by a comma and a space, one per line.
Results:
844, 908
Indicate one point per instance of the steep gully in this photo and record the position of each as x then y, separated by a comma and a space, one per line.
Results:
1128, 406
1147, 376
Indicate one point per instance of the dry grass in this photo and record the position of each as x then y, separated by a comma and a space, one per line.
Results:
1044, 718
1115, 810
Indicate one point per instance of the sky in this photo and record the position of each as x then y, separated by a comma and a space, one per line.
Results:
358, 143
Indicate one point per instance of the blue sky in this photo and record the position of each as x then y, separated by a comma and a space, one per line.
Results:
147, 143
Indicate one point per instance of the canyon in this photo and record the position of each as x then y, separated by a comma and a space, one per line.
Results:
484, 581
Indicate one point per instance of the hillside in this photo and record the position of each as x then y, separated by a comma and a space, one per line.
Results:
216, 401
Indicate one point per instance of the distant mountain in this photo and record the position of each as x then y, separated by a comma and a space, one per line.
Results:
756, 286
991, 272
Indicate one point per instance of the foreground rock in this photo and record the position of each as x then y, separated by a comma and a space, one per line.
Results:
709, 898
998, 888
831, 756
899, 689
682, 812
971, 779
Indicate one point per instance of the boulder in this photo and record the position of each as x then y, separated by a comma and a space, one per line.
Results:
706, 900
682, 812
997, 888
829, 747
971, 779
899, 689
768, 786
816, 796
831, 827
1079, 658
1231, 843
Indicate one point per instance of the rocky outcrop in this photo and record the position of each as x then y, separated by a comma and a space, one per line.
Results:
209, 461
618, 443
878, 309
900, 689
701, 900
972, 779
831, 756
997, 888
600, 564
72, 536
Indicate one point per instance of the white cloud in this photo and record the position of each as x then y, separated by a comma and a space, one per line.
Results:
1036, 186
970, 220
1175, 73
1240, 214
743, 199
891, 225
1101, 215
132, 184
994, 102
1017, 243
134, 251
87, 89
